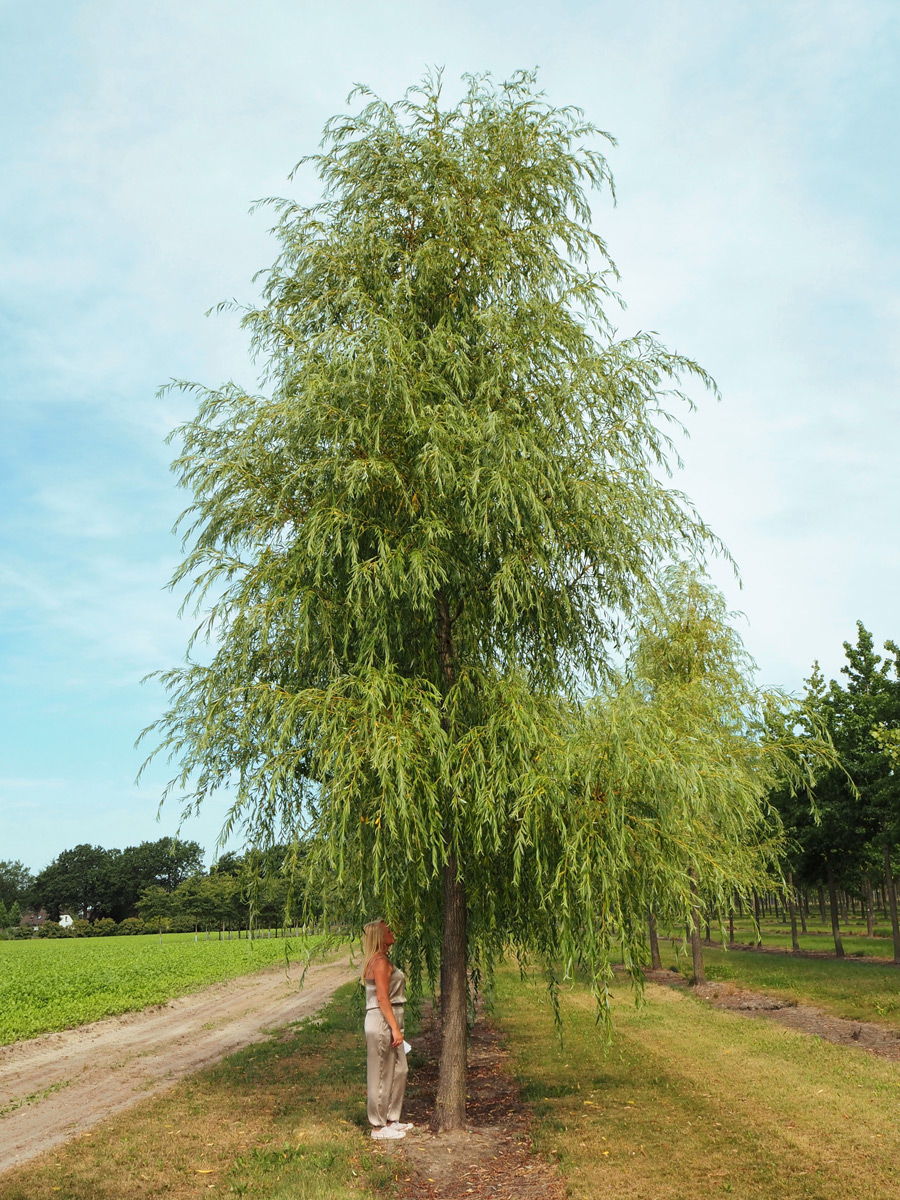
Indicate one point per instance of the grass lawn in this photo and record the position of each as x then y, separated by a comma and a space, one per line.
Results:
693, 1101
282, 1119
818, 937
49, 983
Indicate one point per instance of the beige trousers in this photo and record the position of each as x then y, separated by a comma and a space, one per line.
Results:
385, 1068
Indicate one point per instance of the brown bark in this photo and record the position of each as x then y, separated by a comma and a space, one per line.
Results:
731, 924
758, 916
655, 957
450, 1107
835, 918
792, 909
696, 945
804, 910
870, 908
891, 890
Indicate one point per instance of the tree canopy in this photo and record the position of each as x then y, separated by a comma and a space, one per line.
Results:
420, 546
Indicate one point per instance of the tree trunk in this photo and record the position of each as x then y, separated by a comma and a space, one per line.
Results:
822, 905
835, 919
892, 898
758, 917
804, 910
731, 925
870, 908
450, 1108
655, 957
696, 945
792, 909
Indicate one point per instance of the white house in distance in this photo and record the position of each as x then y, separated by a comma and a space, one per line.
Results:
66, 921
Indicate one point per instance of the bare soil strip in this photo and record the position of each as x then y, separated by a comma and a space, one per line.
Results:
864, 1035
492, 1158
55, 1086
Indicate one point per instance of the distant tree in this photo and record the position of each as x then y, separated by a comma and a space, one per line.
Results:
230, 863
85, 878
165, 863
155, 905
4, 916
870, 700
14, 914
15, 881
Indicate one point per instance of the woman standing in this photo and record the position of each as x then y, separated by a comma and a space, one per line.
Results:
385, 1058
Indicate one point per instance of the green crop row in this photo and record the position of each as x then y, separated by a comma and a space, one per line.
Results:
50, 985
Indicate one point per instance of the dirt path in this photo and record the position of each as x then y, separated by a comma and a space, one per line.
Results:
492, 1158
55, 1086
883, 1040
864, 1035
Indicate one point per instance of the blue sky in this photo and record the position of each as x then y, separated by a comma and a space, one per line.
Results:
758, 182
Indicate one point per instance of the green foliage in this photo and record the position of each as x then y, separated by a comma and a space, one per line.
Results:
130, 926
104, 927
97, 882
679, 755
433, 530
53, 929
856, 804
15, 881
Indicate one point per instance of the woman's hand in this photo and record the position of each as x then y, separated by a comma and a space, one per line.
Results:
397, 1038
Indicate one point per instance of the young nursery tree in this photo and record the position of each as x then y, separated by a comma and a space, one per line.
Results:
687, 747
425, 539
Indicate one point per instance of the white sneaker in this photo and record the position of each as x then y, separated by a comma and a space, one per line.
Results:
404, 1125
388, 1132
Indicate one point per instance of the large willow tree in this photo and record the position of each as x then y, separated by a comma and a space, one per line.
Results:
419, 544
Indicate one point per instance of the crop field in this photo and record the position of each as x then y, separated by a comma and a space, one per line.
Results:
54, 984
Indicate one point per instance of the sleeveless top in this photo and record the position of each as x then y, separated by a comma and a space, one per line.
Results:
396, 990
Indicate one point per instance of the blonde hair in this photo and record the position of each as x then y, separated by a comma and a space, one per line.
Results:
372, 944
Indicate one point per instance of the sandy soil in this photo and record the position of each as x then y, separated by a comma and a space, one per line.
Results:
492, 1157
55, 1086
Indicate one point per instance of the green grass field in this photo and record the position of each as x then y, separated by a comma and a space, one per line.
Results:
50, 984
693, 1101
818, 938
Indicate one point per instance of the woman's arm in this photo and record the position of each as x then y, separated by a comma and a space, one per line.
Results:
381, 973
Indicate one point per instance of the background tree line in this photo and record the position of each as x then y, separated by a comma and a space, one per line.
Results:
155, 886
842, 835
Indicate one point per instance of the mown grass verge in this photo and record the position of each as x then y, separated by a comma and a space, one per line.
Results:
693, 1101
281, 1119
